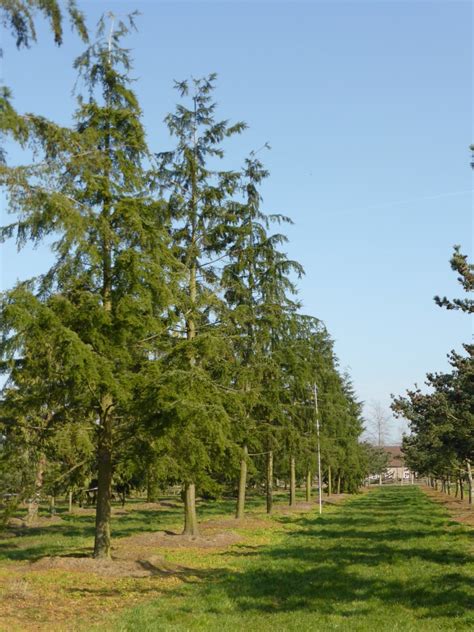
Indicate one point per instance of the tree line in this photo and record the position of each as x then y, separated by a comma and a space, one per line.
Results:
441, 418
166, 344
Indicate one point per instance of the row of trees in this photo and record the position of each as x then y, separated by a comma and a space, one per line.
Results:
441, 419
165, 345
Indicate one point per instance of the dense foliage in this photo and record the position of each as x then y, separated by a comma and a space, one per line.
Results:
165, 346
441, 443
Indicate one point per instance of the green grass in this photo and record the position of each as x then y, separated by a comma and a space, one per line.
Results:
386, 561
74, 535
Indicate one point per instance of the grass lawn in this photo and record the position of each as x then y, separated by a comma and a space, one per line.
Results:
389, 560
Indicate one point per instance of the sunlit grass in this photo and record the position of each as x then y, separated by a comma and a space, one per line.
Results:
389, 560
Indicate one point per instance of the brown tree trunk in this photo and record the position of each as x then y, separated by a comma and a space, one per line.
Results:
269, 482
52, 505
104, 482
469, 479
239, 514
456, 489
34, 502
461, 488
152, 489
329, 481
308, 485
292, 481
339, 484
190, 518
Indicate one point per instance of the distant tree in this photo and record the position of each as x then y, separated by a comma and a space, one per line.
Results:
442, 420
377, 459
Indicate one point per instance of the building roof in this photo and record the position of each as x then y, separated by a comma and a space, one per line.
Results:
396, 455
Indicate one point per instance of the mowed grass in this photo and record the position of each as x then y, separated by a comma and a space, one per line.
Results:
387, 560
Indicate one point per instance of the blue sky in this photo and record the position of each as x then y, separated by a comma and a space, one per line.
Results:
368, 109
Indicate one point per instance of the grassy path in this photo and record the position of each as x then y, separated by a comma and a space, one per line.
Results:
385, 561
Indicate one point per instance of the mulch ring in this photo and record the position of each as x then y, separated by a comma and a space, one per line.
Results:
171, 540
145, 567
459, 509
41, 521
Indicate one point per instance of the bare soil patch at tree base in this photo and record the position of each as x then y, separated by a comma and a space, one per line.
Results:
170, 540
41, 521
143, 567
459, 509
246, 523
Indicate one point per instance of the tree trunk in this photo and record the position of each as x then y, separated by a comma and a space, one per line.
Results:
104, 482
34, 502
448, 486
339, 484
239, 514
469, 479
308, 486
52, 505
190, 518
292, 481
152, 488
380, 479
329, 481
269, 482
70, 501
456, 489
461, 488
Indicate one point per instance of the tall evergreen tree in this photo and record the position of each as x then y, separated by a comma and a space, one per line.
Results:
257, 286
199, 205
107, 291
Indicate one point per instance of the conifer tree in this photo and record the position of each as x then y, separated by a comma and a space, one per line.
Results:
257, 288
19, 17
200, 206
105, 295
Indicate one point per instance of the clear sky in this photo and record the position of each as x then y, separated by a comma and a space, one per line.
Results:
368, 109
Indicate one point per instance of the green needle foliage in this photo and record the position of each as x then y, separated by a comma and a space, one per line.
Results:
106, 292
164, 346
19, 18
191, 401
257, 288
441, 443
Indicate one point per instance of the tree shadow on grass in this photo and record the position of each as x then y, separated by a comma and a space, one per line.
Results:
330, 564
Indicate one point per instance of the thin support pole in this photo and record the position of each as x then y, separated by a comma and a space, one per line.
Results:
319, 449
